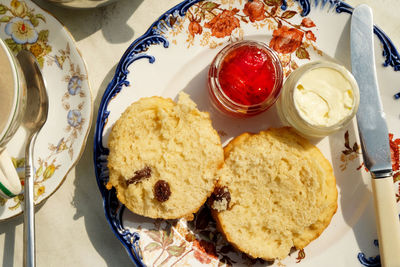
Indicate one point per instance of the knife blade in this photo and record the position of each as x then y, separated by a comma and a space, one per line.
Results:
370, 116
374, 135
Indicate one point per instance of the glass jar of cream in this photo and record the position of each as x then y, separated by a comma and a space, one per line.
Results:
318, 99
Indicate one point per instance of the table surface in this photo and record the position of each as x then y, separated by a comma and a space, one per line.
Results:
71, 229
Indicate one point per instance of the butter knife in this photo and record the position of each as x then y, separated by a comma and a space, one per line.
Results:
374, 137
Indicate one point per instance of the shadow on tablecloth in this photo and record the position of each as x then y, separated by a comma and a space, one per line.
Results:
111, 20
88, 202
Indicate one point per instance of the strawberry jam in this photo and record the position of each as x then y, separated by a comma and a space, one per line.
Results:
247, 75
245, 78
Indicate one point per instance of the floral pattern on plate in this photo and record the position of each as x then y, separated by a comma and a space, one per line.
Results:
180, 243
63, 136
22, 27
209, 22
351, 152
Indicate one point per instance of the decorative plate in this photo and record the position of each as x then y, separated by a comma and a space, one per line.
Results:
174, 55
60, 143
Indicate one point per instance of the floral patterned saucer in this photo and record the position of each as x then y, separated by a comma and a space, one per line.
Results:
175, 54
24, 25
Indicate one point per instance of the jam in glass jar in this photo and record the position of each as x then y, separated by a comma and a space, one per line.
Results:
245, 78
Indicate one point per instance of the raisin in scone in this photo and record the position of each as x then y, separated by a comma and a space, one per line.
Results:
163, 157
276, 191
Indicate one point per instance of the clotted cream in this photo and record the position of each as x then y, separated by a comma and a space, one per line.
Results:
323, 97
318, 99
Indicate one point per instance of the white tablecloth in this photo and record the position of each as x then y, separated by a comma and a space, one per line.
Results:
71, 229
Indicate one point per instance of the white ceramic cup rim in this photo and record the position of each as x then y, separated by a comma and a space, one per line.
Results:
16, 88
9, 181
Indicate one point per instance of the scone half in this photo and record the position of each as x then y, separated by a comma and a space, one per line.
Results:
276, 191
163, 157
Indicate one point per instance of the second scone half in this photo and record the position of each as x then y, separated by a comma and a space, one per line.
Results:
276, 191
163, 157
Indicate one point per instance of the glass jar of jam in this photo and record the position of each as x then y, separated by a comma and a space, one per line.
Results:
245, 78
318, 99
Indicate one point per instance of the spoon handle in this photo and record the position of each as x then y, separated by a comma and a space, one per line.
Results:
29, 212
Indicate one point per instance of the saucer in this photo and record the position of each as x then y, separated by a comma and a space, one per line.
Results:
62, 139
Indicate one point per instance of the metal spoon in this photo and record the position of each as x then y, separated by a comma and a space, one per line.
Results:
35, 116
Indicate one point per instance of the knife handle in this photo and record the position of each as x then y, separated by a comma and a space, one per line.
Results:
387, 220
